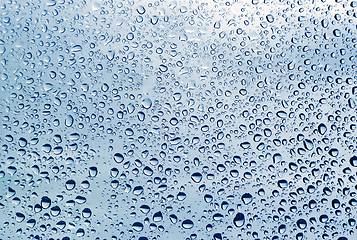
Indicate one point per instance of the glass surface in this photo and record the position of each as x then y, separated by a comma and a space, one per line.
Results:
178, 119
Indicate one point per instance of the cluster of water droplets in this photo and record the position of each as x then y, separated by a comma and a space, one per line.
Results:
178, 119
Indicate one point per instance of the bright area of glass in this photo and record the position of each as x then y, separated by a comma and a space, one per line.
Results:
126, 119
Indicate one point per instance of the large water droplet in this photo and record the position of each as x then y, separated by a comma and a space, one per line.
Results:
301, 223
239, 219
118, 158
196, 177
187, 224
247, 198
353, 161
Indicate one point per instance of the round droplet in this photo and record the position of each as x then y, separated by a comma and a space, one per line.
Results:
114, 172
322, 128
301, 223
148, 171
69, 121
157, 217
141, 9
323, 218
31, 223
129, 132
86, 213
196, 177
144, 209
234, 173
85, 184
239, 220
282, 114
181, 196
61, 224
118, 157
270, 18
22, 142
80, 199
353, 161
335, 203
138, 226
247, 198
208, 198
187, 224
70, 185
283, 183
138, 190
333, 152
47, 148
80, 232
218, 217
282, 229
93, 171
55, 211
19, 217
45, 202
173, 121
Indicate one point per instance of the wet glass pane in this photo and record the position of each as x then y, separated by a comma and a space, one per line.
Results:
146, 120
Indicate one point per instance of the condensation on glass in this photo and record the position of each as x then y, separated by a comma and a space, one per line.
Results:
178, 119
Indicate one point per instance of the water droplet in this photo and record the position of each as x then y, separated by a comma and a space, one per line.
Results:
118, 158
70, 185
147, 103
19, 217
187, 224
138, 226
247, 198
55, 211
239, 219
283, 183
353, 161
93, 171
157, 217
86, 213
77, 48
45, 202
196, 177
301, 223
69, 121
